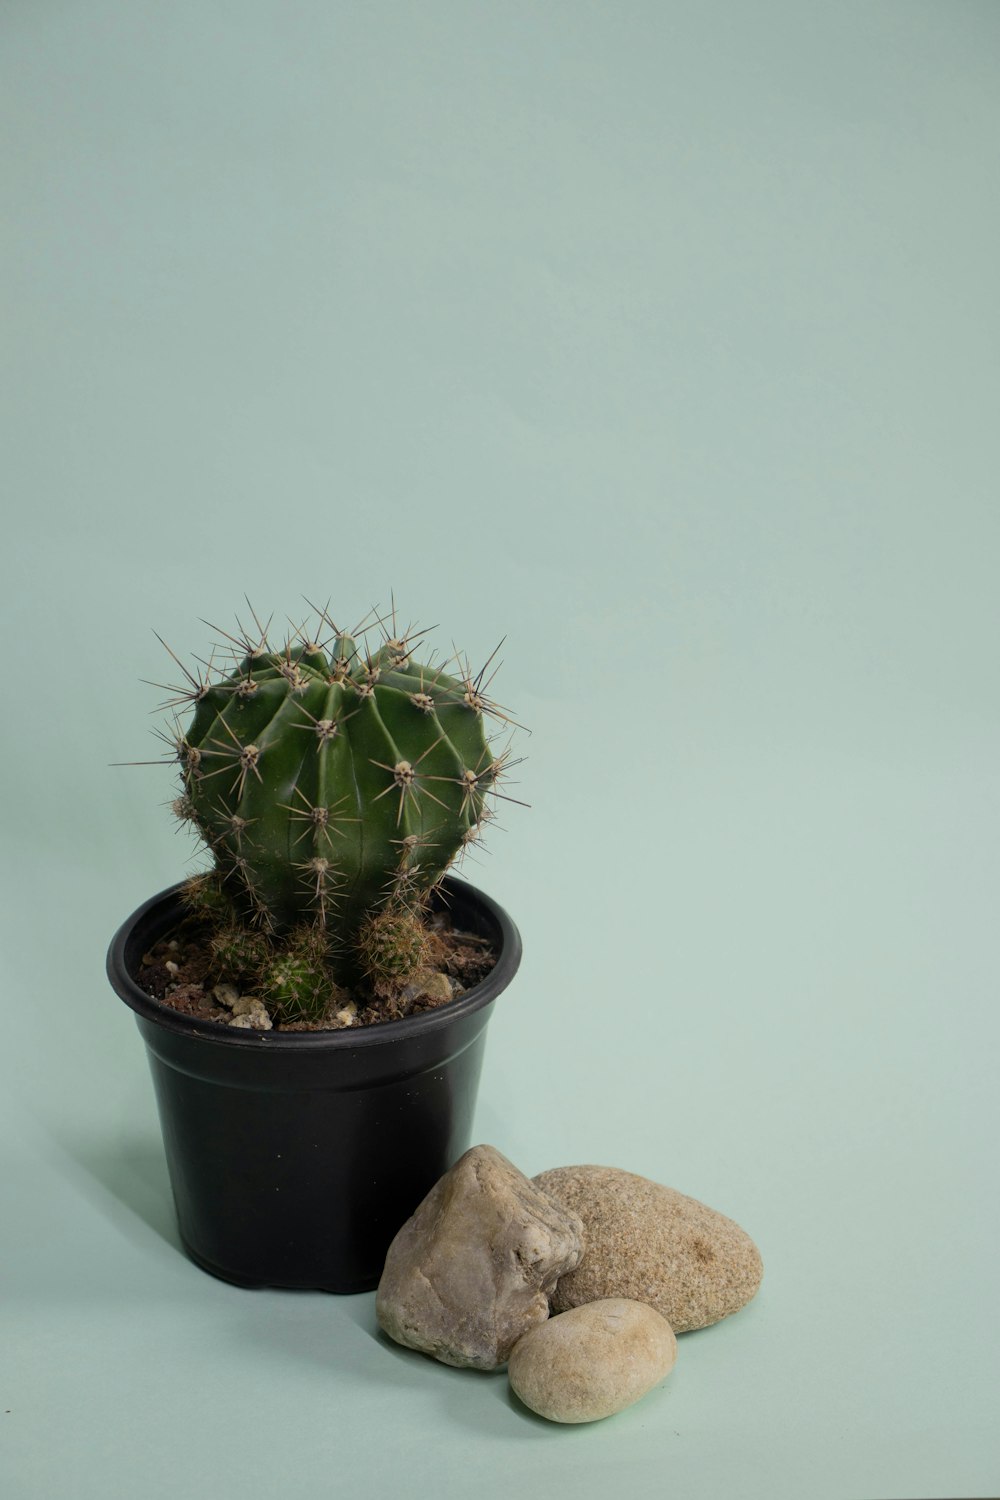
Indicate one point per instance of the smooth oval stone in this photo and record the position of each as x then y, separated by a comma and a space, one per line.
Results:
474, 1267
593, 1361
653, 1244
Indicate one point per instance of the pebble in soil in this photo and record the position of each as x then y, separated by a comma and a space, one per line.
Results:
181, 971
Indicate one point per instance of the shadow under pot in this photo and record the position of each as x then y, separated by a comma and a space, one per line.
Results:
295, 1157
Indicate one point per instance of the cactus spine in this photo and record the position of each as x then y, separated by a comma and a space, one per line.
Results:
332, 782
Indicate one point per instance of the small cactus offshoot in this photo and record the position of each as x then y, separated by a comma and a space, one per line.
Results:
240, 952
295, 981
335, 780
391, 946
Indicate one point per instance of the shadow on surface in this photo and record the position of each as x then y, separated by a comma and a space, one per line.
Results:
339, 1334
130, 1173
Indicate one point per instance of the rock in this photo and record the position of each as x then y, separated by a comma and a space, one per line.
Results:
226, 994
428, 984
248, 1005
250, 1014
472, 1270
655, 1245
592, 1361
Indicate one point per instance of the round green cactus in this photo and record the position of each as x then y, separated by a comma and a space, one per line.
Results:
332, 781
392, 946
240, 952
295, 983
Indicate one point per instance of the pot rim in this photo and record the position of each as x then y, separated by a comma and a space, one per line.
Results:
348, 1038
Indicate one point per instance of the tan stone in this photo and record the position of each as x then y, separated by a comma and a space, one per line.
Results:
653, 1244
593, 1361
428, 984
472, 1270
249, 1013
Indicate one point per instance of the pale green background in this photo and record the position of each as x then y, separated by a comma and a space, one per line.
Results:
663, 338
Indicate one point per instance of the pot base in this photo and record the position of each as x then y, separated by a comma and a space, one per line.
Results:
256, 1284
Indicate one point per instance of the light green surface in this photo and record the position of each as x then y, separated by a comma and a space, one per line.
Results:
663, 338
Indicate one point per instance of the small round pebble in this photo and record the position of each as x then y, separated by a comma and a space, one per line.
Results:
592, 1361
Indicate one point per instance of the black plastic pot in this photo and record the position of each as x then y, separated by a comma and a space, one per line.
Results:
294, 1157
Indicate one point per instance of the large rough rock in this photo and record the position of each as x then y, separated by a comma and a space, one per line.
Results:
472, 1270
653, 1244
593, 1361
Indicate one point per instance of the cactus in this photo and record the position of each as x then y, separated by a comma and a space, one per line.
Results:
392, 947
240, 952
332, 783
295, 982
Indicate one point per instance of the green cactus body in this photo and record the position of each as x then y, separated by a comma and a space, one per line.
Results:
238, 951
295, 983
330, 784
392, 946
